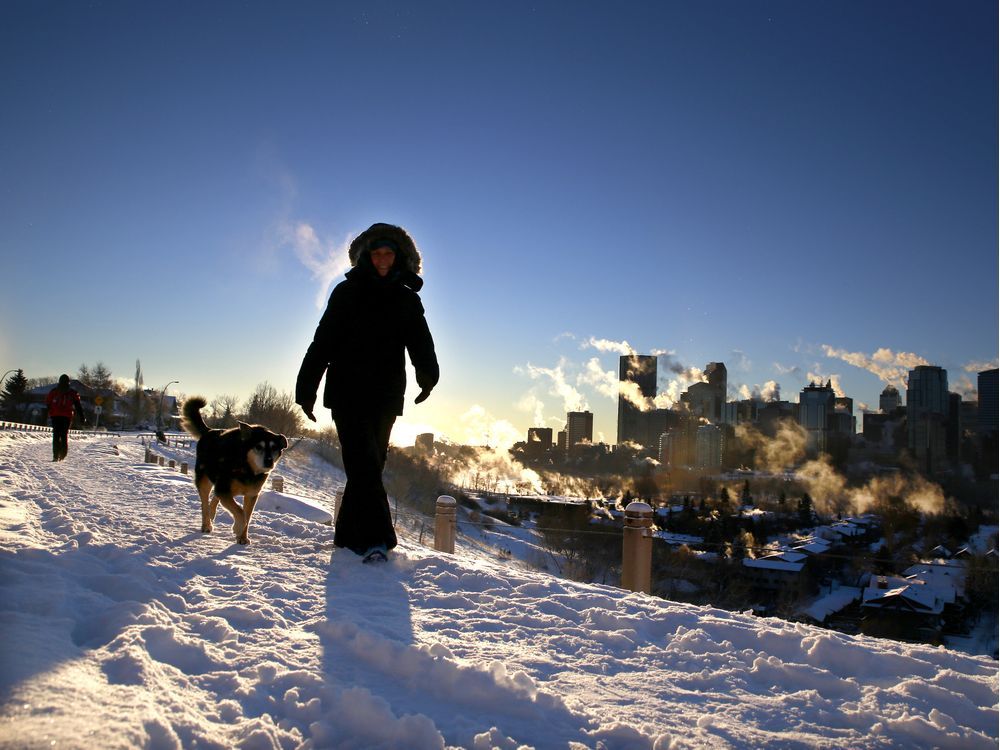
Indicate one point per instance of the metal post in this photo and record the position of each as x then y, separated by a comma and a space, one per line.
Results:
637, 548
444, 524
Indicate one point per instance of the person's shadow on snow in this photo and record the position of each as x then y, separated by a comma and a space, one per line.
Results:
367, 619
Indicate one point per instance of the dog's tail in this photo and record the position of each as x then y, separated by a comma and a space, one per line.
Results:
192, 421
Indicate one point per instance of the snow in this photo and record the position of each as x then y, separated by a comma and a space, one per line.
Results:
834, 600
125, 627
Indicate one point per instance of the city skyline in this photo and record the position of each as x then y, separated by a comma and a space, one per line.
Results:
802, 192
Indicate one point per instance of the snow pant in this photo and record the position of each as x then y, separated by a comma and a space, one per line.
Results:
364, 520
60, 438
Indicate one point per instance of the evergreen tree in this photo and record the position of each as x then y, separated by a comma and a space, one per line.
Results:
138, 396
14, 395
98, 378
746, 498
806, 510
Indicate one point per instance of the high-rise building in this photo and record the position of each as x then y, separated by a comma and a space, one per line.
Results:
816, 405
987, 386
717, 378
708, 447
579, 428
637, 378
890, 400
701, 400
927, 409
540, 438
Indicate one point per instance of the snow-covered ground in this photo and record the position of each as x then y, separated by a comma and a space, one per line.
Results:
123, 626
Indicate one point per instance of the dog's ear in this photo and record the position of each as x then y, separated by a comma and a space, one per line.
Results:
246, 432
284, 442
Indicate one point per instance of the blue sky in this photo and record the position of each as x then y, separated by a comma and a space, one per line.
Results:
796, 189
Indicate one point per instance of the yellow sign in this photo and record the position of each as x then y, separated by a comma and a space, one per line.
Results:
99, 400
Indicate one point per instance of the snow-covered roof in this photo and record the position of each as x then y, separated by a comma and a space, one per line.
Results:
831, 602
671, 538
814, 547
769, 563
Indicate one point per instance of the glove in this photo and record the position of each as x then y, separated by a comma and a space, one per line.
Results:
422, 396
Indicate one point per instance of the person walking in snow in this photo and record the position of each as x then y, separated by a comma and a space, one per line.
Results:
62, 401
372, 317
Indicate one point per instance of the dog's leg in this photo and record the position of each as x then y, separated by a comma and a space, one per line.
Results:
249, 501
239, 525
208, 503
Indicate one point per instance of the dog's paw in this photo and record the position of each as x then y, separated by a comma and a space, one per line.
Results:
243, 539
206, 528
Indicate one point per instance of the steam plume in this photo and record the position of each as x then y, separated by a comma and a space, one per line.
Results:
324, 259
891, 367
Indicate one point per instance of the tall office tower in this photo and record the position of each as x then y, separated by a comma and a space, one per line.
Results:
988, 401
665, 449
816, 404
579, 428
890, 400
641, 370
717, 378
927, 410
701, 400
708, 447
845, 421
540, 437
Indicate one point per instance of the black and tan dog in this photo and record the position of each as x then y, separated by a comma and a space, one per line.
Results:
235, 462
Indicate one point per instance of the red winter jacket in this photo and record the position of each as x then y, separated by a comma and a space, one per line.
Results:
61, 403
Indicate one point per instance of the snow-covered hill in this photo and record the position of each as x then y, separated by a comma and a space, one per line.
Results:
123, 626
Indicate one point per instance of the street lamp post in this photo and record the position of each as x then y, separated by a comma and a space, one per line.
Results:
159, 413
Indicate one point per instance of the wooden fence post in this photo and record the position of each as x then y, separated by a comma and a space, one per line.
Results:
184, 467
637, 548
277, 483
444, 524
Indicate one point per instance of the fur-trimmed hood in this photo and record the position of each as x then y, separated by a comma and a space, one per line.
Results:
409, 255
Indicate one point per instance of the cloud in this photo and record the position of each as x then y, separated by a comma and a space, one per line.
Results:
979, 366
325, 259
740, 361
891, 367
964, 386
793, 370
606, 345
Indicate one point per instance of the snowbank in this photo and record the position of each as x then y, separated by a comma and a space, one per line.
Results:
126, 627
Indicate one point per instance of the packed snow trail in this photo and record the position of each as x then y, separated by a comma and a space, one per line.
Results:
123, 626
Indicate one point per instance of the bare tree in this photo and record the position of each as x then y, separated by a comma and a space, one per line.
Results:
274, 410
224, 408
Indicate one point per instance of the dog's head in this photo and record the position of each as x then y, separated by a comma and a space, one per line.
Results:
263, 446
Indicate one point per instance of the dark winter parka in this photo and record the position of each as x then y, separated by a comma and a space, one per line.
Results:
361, 338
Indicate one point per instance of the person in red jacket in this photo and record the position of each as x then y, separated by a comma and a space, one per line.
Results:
62, 401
